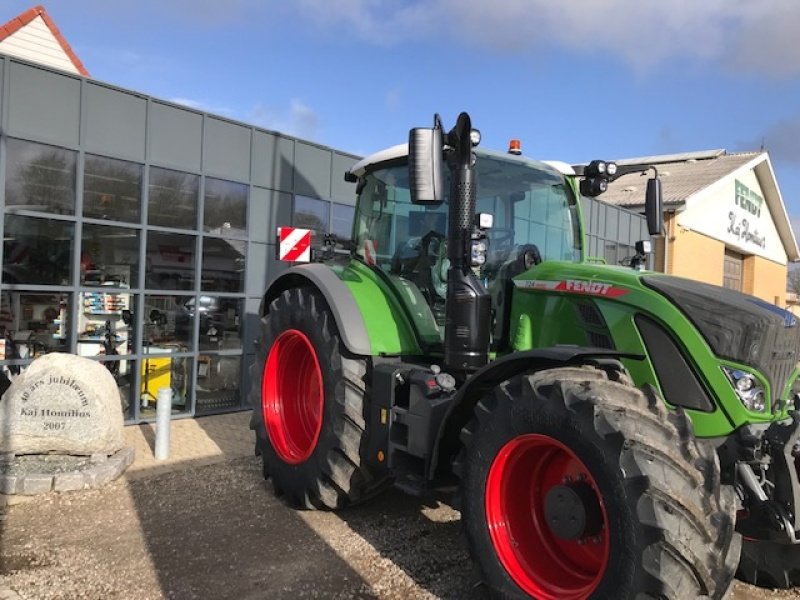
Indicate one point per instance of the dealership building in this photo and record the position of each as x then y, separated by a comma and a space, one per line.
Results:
141, 233
725, 220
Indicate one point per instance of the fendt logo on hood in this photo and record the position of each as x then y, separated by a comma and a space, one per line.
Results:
575, 286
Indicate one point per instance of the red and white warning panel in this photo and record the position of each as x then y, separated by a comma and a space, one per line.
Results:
294, 244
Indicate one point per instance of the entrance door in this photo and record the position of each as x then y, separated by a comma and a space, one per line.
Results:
732, 270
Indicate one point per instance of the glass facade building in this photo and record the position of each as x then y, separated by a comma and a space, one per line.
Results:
141, 234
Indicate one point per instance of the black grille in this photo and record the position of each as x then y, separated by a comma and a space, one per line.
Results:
590, 315
738, 327
598, 340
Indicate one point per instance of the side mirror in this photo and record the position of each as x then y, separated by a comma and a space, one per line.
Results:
652, 207
425, 165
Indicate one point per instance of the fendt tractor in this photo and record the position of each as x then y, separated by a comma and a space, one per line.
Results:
614, 433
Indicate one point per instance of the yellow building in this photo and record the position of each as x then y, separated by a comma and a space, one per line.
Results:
724, 217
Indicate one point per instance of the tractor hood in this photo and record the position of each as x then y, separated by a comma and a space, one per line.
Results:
737, 327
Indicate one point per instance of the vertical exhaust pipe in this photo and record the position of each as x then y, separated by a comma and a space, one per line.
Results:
468, 304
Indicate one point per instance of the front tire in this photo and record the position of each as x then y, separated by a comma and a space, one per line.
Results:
310, 406
576, 486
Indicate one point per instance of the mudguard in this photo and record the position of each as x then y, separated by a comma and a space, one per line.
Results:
340, 299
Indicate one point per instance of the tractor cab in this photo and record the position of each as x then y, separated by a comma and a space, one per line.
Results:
527, 213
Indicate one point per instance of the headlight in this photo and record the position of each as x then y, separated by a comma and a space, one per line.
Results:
747, 387
611, 169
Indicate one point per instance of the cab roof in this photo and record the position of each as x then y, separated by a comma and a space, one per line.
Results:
401, 151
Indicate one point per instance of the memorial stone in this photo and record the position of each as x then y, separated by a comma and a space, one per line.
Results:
62, 404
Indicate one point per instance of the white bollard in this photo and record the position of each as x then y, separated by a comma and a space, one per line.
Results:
163, 415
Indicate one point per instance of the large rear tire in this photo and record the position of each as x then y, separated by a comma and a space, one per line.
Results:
576, 486
310, 406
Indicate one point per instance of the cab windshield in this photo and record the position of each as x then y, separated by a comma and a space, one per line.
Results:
531, 203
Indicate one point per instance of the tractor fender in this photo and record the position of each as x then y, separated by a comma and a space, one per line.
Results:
346, 313
498, 371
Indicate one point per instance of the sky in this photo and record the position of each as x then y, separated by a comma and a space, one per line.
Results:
574, 81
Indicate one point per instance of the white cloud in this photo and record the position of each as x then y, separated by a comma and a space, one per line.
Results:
742, 34
299, 119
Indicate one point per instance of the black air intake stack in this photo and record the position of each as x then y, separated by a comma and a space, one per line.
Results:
467, 310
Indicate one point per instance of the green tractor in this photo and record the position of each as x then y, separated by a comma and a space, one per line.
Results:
616, 433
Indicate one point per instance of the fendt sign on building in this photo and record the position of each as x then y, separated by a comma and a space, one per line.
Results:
736, 214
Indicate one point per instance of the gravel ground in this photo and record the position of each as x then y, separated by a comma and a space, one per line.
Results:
216, 532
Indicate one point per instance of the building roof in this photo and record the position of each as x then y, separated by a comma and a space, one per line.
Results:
34, 36
684, 176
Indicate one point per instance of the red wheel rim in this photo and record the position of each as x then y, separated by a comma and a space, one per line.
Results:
545, 566
292, 397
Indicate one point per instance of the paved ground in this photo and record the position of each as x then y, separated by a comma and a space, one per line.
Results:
203, 525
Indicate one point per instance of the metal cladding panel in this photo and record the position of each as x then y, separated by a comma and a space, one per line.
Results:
312, 171
273, 161
227, 150
269, 209
44, 105
115, 122
256, 280
341, 190
176, 136
625, 228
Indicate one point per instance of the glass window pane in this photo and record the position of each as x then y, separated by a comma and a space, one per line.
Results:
342, 222
170, 262
105, 324
40, 177
310, 213
223, 265
37, 251
218, 381
225, 208
34, 324
112, 189
109, 256
220, 322
168, 324
172, 198
160, 372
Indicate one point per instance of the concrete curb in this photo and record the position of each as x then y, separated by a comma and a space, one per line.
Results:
101, 471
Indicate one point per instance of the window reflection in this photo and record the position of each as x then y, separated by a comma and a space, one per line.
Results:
170, 262
109, 256
223, 265
112, 189
342, 223
33, 324
220, 322
218, 381
310, 213
40, 177
37, 251
172, 198
225, 208
168, 324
